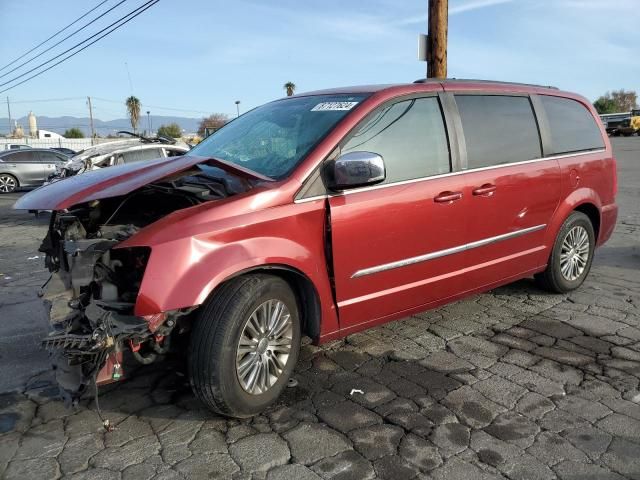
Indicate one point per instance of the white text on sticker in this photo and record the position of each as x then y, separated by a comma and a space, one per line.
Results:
332, 106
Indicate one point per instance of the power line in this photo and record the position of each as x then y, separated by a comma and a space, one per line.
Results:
72, 48
153, 106
101, 109
43, 100
59, 42
54, 35
141, 10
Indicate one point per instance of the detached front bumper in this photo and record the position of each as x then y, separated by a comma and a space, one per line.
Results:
91, 351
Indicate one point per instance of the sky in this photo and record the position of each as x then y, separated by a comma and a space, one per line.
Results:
194, 57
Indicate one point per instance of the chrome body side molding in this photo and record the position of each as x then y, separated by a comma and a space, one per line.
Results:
443, 253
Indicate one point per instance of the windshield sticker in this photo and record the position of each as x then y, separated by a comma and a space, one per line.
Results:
333, 106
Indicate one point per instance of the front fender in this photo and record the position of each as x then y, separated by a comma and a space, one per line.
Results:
184, 272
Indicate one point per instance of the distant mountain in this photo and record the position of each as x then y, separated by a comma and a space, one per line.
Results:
102, 128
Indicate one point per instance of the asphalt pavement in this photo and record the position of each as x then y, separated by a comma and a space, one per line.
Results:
515, 383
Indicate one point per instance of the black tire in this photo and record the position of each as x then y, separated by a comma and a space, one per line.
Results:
8, 183
552, 279
215, 338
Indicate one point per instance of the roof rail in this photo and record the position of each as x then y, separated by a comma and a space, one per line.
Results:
471, 80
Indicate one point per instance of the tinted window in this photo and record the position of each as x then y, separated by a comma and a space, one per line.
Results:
19, 157
49, 157
140, 155
498, 129
573, 128
409, 135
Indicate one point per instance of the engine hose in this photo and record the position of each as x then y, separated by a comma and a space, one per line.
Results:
145, 359
163, 348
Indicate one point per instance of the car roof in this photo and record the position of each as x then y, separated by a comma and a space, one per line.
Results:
446, 84
23, 150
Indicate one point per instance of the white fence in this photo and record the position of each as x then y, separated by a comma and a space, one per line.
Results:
72, 143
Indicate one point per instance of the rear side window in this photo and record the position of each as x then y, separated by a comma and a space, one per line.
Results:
573, 128
49, 157
498, 129
141, 155
409, 135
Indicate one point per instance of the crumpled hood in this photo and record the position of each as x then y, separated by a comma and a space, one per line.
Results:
117, 181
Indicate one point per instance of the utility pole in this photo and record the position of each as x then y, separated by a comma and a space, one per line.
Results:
9, 112
93, 133
437, 39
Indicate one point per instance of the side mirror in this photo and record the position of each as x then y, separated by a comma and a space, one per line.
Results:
356, 169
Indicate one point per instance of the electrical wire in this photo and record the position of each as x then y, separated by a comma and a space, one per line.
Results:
48, 100
149, 4
64, 39
54, 35
152, 106
76, 45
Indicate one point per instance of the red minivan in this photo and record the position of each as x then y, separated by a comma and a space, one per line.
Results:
321, 214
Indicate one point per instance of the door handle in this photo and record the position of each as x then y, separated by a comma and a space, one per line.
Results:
485, 190
448, 197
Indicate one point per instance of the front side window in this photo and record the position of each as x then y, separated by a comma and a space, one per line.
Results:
572, 126
20, 157
274, 138
498, 129
409, 135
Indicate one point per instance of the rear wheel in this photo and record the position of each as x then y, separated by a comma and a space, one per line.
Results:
8, 183
572, 254
245, 345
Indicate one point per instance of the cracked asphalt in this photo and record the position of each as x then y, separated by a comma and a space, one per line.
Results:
515, 383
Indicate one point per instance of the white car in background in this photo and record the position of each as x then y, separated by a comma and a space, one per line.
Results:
120, 152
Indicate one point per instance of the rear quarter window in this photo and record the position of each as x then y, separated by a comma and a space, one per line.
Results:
573, 128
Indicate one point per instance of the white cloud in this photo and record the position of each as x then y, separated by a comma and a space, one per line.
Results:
456, 9
475, 5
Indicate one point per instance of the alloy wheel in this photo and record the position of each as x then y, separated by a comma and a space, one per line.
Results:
7, 184
575, 253
264, 347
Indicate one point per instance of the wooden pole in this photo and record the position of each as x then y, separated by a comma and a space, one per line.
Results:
10, 125
438, 29
93, 132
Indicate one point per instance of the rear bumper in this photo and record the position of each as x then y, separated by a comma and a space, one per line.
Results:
609, 216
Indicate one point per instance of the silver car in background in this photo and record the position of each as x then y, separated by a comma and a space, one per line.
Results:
28, 167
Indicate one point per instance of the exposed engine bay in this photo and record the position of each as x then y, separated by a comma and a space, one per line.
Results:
93, 286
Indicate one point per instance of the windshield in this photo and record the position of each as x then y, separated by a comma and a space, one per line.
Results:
274, 138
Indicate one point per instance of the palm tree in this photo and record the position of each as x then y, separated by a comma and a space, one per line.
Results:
133, 108
290, 87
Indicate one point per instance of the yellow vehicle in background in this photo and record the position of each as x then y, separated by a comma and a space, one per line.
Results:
626, 123
634, 122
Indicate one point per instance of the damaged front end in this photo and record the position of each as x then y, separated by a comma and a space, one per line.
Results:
91, 294
94, 282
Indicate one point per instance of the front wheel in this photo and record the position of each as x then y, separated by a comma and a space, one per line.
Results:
8, 183
572, 254
245, 345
